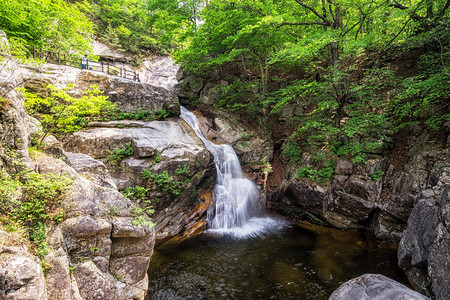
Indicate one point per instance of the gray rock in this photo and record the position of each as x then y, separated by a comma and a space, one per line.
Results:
302, 196
87, 237
21, 276
91, 168
105, 51
374, 287
129, 95
14, 129
424, 249
251, 143
93, 283
159, 71
177, 146
344, 167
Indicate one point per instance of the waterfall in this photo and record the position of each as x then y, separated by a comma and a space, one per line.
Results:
236, 197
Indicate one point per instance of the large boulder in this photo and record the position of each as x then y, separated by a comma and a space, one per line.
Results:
98, 222
21, 276
424, 249
159, 71
375, 287
168, 149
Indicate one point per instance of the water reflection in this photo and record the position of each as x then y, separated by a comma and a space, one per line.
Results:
305, 262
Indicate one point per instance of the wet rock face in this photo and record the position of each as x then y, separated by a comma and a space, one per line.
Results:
374, 286
424, 249
252, 143
21, 276
301, 196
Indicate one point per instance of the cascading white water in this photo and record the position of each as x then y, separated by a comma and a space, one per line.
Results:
236, 197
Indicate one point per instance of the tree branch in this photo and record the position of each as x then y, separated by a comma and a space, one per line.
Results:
442, 56
442, 12
398, 5
404, 25
325, 20
302, 23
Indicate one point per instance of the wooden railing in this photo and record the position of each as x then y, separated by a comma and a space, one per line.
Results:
74, 61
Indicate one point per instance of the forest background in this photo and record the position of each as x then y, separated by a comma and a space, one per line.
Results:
340, 60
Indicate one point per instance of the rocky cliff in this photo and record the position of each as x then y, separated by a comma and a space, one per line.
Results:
101, 249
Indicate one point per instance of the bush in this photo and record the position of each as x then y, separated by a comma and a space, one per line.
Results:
117, 154
61, 113
31, 200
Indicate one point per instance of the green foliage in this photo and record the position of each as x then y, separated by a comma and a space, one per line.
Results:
182, 170
424, 98
158, 158
53, 24
321, 175
61, 113
377, 175
169, 183
135, 193
140, 218
118, 153
31, 200
140, 114
93, 249
164, 181
293, 151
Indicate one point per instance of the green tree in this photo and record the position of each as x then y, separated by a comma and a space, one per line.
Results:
53, 24
60, 113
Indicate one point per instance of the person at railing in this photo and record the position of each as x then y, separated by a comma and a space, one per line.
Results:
84, 62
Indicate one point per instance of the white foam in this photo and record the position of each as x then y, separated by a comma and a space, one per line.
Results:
236, 197
254, 227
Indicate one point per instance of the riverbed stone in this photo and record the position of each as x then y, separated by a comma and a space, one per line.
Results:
376, 287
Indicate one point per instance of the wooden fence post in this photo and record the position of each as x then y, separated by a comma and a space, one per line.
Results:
59, 59
34, 52
65, 61
102, 65
120, 72
41, 55
107, 68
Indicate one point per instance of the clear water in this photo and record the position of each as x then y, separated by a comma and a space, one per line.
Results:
287, 262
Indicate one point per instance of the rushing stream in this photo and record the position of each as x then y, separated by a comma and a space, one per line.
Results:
244, 255
236, 198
